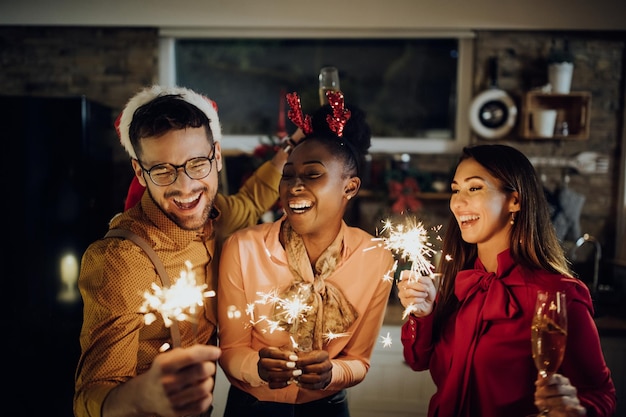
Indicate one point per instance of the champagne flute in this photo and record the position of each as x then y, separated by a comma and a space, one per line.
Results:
329, 81
549, 333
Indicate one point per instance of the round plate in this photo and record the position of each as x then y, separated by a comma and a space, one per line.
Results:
492, 114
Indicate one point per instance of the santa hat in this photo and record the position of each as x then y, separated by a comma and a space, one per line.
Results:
206, 105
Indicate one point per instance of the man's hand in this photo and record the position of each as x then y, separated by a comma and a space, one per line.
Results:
179, 383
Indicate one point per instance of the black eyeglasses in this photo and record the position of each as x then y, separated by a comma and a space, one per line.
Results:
166, 174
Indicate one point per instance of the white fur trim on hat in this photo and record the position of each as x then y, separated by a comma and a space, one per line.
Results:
148, 94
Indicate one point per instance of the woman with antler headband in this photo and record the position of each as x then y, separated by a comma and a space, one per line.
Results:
301, 300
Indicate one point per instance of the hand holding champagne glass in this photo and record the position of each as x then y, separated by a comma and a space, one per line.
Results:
549, 333
329, 81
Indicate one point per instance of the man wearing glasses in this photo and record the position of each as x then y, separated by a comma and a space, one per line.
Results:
128, 367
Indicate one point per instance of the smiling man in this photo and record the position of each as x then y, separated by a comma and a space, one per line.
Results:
173, 138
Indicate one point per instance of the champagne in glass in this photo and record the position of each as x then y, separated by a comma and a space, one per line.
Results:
549, 332
329, 81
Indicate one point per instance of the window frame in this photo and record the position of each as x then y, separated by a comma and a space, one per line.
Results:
387, 145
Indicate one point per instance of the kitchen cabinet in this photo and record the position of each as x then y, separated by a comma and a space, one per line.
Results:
573, 108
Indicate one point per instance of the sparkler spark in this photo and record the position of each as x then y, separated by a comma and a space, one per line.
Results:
291, 310
178, 302
386, 340
328, 336
410, 242
294, 308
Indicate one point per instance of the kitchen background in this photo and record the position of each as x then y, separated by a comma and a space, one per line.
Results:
90, 58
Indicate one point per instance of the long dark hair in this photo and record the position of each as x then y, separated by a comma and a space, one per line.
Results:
533, 242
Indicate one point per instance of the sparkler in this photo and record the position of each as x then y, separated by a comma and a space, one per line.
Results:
179, 302
409, 242
290, 312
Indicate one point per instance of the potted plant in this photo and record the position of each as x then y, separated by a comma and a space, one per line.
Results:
560, 68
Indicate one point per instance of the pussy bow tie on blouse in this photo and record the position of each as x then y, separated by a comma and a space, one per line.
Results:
498, 302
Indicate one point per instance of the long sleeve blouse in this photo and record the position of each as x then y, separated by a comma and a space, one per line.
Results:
482, 363
254, 262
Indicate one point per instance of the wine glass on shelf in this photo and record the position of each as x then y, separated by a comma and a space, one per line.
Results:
329, 81
549, 333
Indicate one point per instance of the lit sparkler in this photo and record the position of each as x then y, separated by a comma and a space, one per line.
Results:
178, 302
410, 242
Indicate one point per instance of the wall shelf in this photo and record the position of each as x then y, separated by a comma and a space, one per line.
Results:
573, 108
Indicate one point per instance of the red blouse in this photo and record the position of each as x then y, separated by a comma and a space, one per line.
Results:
482, 365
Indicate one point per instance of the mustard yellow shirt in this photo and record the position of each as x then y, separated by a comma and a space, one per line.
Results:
254, 261
116, 345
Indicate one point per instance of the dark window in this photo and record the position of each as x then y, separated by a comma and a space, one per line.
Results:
408, 87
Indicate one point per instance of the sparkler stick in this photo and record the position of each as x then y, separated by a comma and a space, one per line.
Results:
179, 302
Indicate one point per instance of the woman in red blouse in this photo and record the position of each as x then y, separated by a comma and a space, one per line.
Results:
473, 332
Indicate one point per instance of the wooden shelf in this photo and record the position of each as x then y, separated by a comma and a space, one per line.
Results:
573, 108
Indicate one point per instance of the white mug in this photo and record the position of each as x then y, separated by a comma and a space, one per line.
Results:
544, 121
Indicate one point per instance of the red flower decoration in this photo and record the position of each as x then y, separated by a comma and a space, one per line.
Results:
403, 195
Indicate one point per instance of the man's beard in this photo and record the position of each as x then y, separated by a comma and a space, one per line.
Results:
181, 222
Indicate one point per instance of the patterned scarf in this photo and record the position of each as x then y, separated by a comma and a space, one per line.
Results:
326, 310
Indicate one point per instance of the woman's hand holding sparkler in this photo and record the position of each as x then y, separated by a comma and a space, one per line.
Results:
281, 367
277, 366
417, 294
316, 369
179, 383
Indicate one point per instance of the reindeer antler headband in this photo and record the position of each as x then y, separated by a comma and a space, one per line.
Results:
336, 121
340, 115
295, 114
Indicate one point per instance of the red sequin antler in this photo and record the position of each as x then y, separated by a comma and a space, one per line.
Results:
340, 115
296, 116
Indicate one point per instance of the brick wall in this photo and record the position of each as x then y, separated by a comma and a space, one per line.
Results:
107, 65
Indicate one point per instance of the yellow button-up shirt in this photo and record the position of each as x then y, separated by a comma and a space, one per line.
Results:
116, 344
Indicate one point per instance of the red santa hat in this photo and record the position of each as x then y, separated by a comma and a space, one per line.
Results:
206, 105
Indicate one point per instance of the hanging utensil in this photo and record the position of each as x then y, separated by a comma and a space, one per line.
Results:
493, 112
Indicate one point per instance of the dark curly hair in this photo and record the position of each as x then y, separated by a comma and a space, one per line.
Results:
352, 146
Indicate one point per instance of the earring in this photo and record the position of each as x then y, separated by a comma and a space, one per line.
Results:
348, 196
512, 218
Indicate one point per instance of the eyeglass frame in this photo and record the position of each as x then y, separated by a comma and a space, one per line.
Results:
210, 158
